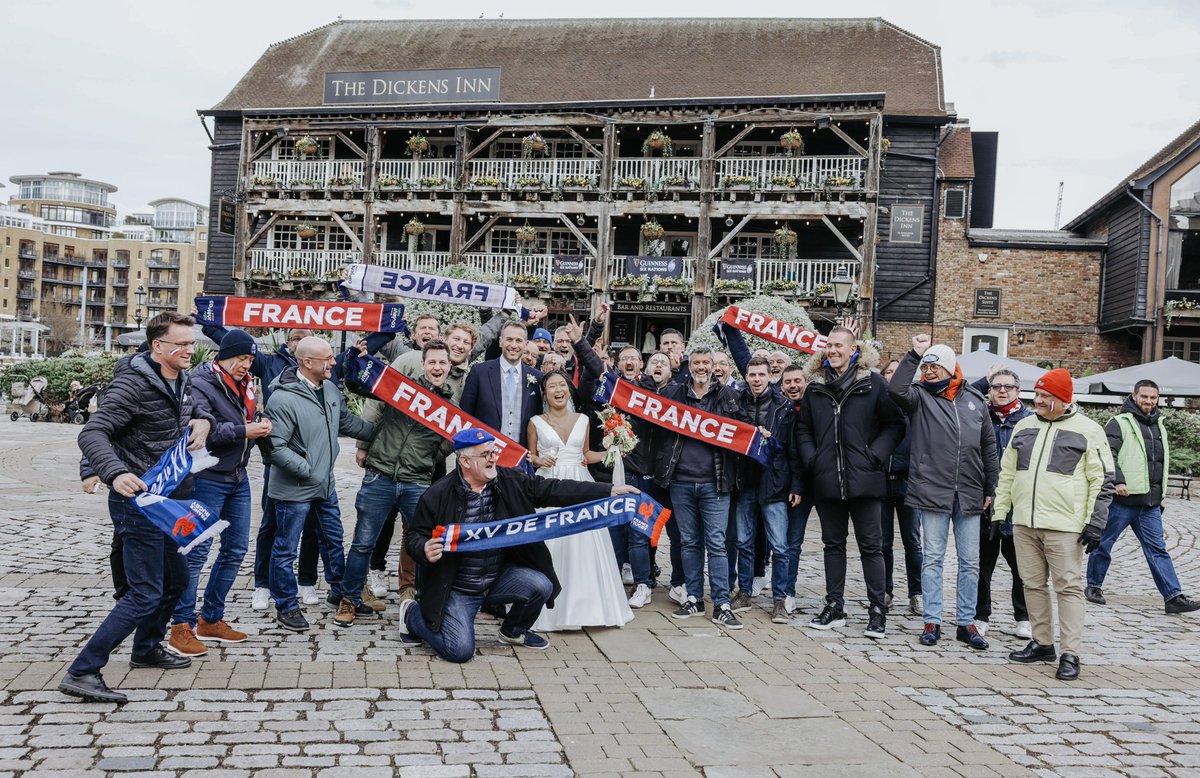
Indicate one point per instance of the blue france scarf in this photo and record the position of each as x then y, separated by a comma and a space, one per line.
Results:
187, 522
639, 511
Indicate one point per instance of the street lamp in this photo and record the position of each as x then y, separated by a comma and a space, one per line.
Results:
140, 294
843, 286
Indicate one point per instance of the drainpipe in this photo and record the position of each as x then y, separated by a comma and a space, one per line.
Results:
1159, 275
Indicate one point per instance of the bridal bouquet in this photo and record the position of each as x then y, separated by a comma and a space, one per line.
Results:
618, 435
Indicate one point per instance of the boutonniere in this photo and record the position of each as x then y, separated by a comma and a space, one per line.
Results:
530, 380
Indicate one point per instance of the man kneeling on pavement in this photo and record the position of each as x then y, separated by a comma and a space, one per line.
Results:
455, 586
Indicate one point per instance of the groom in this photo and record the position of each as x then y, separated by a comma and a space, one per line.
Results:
455, 586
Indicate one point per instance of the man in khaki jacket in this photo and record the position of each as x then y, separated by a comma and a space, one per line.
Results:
1057, 476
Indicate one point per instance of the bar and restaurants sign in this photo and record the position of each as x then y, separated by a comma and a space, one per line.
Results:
384, 87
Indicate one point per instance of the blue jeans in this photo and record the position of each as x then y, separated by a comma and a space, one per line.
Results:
523, 588
264, 541
156, 573
797, 524
290, 517
935, 527
231, 502
703, 513
1147, 526
775, 521
376, 499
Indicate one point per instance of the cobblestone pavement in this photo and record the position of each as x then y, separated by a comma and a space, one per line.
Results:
657, 697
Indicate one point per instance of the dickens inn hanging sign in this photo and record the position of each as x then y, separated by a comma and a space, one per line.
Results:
389, 87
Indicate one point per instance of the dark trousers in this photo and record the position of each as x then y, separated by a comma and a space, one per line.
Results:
310, 548
156, 575
116, 564
989, 551
910, 536
836, 517
663, 496
384, 543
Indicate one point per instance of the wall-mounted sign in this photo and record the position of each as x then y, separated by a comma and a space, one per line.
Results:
665, 309
736, 269
390, 87
907, 221
227, 217
568, 265
654, 267
987, 302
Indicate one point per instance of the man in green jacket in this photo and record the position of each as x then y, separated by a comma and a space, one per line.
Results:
1057, 477
307, 414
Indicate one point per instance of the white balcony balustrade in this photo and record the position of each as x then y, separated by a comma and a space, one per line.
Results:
503, 266
661, 171
279, 263
519, 173
810, 172
411, 172
304, 173
807, 273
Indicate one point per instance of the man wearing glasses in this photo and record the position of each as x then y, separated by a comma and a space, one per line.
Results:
307, 414
147, 408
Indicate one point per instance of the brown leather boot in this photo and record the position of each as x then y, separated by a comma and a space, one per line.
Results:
183, 641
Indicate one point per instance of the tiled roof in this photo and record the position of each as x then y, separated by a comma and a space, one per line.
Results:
957, 160
582, 60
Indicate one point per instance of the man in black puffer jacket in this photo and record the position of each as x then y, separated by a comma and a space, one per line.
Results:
145, 411
848, 427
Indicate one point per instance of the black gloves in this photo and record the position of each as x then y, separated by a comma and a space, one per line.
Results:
1090, 538
994, 529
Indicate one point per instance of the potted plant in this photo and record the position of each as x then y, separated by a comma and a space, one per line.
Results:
782, 181
417, 144
526, 281
433, 182
781, 287
885, 145
526, 234
563, 281
341, 182
300, 184
533, 145
307, 146
262, 182
414, 227
390, 182
673, 285
839, 182
485, 182
631, 182
730, 288
333, 275
578, 182
261, 274
307, 230
658, 141
299, 274
676, 182
531, 182
792, 142
652, 230
629, 282
737, 182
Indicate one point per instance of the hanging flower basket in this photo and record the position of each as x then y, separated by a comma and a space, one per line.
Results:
658, 141
533, 145
417, 145
414, 227
306, 231
526, 234
784, 236
792, 142
652, 230
307, 146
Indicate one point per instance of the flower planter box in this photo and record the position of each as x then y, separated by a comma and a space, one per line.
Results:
626, 293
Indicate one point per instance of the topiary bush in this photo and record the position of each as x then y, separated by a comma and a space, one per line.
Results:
775, 307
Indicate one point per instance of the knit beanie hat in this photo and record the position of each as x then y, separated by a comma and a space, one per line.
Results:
1059, 383
235, 343
940, 355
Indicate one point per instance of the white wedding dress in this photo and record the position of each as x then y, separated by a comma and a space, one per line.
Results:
592, 593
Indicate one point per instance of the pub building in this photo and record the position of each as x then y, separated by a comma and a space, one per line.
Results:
670, 166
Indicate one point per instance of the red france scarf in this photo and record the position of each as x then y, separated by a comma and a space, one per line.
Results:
243, 390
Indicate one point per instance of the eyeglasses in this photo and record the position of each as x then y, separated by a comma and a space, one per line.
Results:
1005, 387
929, 366
493, 454
324, 360
189, 345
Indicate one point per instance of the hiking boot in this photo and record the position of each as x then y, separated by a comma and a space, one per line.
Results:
931, 635
1095, 594
832, 616
1181, 604
293, 620
689, 609
219, 631
408, 593
1034, 652
345, 614
183, 641
724, 616
740, 602
779, 613
1068, 668
876, 624
90, 687
159, 659
377, 580
308, 595
371, 601
970, 635
261, 599
640, 597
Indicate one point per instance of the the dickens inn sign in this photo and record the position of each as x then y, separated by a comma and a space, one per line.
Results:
457, 85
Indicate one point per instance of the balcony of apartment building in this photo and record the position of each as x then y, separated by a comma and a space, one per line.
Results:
26, 292
118, 299
52, 276
26, 271
27, 249
163, 302
160, 258
120, 280
163, 281
120, 260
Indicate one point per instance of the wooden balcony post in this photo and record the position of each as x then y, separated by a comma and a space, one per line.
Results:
370, 175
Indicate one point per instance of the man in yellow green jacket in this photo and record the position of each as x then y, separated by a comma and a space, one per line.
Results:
1057, 476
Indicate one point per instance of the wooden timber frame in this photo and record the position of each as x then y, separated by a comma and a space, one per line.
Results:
476, 127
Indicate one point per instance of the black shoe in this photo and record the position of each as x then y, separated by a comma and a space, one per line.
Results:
970, 635
931, 635
655, 572
876, 624
1096, 594
1181, 604
160, 659
1034, 652
832, 616
724, 617
690, 608
90, 687
293, 620
1068, 668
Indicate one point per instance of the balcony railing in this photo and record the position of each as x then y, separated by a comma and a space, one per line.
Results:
319, 263
120, 300
25, 294
660, 171
26, 273
162, 284
807, 273
57, 280
294, 173
163, 263
775, 172
413, 170
553, 173
27, 253
503, 266
616, 267
119, 263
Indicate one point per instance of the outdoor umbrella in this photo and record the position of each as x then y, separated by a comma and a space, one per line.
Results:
975, 366
1175, 378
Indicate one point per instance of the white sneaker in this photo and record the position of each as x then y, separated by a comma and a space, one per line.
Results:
626, 574
1024, 630
377, 580
981, 627
404, 606
261, 599
789, 605
758, 585
308, 595
678, 594
641, 596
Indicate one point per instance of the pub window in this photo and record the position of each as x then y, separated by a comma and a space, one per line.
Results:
1183, 238
954, 205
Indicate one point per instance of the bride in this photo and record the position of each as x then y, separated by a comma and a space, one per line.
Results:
592, 592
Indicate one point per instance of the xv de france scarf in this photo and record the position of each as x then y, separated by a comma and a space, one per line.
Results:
639, 511
309, 314
706, 427
422, 286
187, 522
419, 404
774, 330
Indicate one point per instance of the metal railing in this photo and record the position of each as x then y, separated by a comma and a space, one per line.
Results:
163, 263
809, 172
658, 170
552, 173
807, 273
411, 171
294, 173
280, 262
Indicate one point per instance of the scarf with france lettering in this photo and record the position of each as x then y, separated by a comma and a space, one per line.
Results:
640, 511
720, 431
306, 314
424, 286
772, 329
187, 522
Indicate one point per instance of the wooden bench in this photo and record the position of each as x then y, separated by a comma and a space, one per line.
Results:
1181, 482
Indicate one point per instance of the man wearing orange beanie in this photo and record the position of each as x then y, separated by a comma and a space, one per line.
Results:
1057, 477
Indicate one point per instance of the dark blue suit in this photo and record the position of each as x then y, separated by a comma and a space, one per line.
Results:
482, 396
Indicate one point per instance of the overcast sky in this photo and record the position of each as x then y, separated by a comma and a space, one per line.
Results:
1080, 92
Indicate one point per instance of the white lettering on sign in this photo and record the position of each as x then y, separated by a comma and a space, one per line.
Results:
780, 331
315, 317
685, 420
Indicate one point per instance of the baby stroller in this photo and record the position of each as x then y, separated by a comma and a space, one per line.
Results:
79, 408
29, 400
